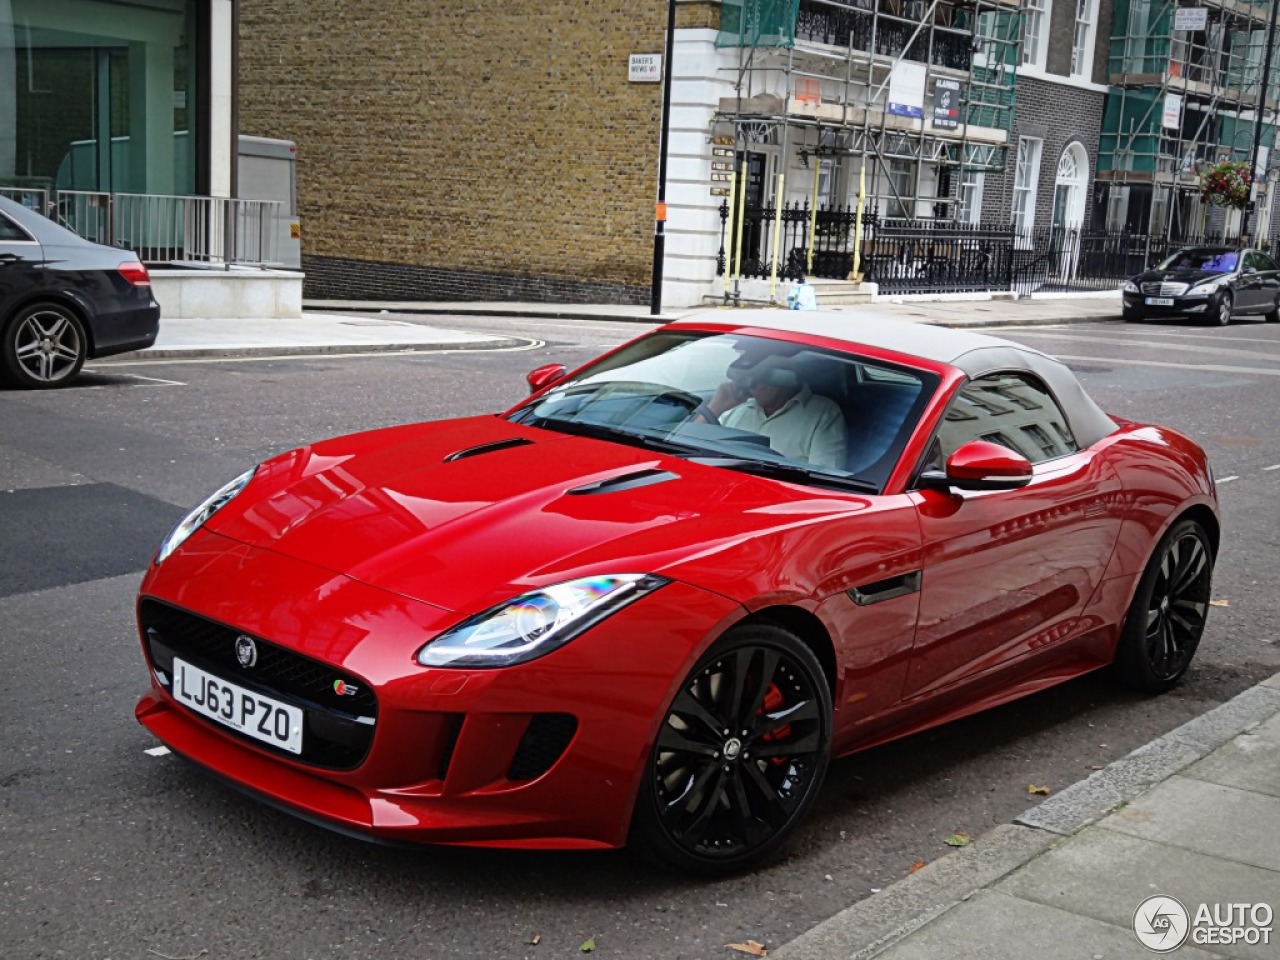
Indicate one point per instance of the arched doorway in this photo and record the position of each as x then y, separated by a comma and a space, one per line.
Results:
1070, 187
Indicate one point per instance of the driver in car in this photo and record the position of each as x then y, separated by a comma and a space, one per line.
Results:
765, 395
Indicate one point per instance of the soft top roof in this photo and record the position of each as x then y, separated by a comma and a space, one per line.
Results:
974, 354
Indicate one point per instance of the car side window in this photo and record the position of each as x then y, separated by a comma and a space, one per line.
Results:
1012, 409
1260, 262
10, 232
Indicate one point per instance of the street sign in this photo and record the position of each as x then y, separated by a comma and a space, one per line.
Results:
906, 89
1190, 18
644, 68
1171, 116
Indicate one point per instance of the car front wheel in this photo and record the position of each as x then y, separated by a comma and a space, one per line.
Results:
1222, 312
1166, 619
44, 346
740, 756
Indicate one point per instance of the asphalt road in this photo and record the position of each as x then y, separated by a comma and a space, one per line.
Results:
109, 852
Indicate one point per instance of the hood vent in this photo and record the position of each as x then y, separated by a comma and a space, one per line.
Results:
627, 481
487, 448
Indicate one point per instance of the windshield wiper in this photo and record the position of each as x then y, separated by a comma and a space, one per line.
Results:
789, 471
600, 431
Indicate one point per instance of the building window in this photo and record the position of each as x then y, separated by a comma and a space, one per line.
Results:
902, 176
1025, 178
971, 183
1082, 48
1035, 25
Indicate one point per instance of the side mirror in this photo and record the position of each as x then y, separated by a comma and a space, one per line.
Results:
545, 376
981, 465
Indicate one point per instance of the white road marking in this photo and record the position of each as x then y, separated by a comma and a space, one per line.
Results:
1274, 466
1195, 348
157, 752
1228, 479
160, 361
1192, 367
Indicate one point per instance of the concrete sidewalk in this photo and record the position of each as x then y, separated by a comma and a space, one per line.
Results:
1194, 815
360, 327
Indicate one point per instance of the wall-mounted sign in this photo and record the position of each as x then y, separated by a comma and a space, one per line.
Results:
721, 165
1171, 116
721, 152
906, 89
719, 177
644, 68
719, 191
946, 103
1190, 18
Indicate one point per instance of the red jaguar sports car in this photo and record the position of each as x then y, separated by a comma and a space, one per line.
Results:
649, 603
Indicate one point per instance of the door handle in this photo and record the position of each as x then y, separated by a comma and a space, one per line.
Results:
9, 258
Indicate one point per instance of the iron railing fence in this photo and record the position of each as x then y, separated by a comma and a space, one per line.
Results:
162, 229
850, 23
34, 198
934, 256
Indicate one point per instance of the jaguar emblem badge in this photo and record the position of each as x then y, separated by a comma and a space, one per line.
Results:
246, 651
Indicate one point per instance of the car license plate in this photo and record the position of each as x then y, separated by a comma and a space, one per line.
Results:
231, 705
1159, 301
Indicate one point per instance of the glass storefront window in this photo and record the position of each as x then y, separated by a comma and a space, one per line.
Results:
101, 96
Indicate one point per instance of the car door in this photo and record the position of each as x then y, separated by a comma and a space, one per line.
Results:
1267, 281
1009, 572
20, 264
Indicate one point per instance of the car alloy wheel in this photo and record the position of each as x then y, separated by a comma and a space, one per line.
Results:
1167, 617
1223, 314
740, 755
44, 346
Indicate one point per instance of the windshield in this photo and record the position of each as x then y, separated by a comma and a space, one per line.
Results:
1215, 261
746, 403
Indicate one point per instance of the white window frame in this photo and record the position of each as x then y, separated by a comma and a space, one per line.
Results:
1085, 36
1035, 28
1026, 178
970, 196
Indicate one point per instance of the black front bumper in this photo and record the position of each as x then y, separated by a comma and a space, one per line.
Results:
1138, 303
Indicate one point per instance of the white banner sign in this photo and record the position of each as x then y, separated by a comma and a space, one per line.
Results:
1172, 115
906, 89
644, 68
1190, 18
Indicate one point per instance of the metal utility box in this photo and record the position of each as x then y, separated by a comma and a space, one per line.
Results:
268, 171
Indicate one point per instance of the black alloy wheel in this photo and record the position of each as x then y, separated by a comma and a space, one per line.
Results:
1167, 616
1222, 312
740, 755
1273, 315
44, 346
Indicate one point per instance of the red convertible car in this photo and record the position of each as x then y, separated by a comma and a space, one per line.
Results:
649, 603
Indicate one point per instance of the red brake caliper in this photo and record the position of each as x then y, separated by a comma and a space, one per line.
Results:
772, 701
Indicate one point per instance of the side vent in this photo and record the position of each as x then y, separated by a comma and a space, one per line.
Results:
627, 481
488, 448
542, 745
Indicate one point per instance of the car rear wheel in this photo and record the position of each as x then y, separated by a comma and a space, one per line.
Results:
1273, 315
1167, 616
740, 755
1222, 313
44, 346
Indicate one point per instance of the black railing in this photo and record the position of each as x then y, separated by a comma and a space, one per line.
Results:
850, 25
936, 256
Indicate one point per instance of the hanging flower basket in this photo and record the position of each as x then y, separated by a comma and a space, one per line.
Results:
1227, 185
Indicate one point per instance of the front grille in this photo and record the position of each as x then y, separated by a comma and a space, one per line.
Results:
337, 729
541, 746
1164, 289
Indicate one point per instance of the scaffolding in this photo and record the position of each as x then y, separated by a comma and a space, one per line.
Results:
918, 91
1186, 88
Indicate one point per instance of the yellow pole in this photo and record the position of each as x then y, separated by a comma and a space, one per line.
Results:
856, 274
728, 231
737, 243
777, 238
813, 215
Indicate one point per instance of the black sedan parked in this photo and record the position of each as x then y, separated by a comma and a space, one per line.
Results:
64, 299
1212, 283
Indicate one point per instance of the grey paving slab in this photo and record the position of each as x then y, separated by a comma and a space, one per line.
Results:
889, 916
994, 926
1094, 797
1208, 818
1250, 762
1105, 875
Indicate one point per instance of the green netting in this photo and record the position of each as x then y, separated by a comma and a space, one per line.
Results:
757, 23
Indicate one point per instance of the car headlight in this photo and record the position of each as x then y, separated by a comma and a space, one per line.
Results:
1205, 289
1131, 287
535, 623
192, 521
